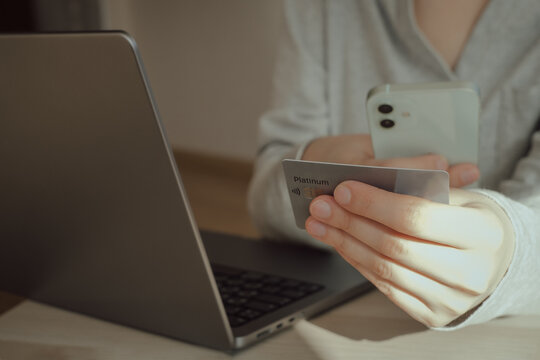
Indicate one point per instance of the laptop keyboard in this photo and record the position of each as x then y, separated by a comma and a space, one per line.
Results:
248, 295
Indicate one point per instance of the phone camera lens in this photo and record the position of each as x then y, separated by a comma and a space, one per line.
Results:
387, 123
385, 109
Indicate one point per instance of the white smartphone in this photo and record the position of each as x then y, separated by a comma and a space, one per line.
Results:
407, 120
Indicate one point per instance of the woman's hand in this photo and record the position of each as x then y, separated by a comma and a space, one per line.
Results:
357, 149
435, 261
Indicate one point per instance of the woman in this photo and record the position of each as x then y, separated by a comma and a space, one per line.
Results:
448, 266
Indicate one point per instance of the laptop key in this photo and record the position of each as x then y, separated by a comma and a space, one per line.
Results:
272, 299
270, 289
229, 289
260, 306
293, 294
290, 283
224, 270
236, 321
251, 276
309, 288
253, 286
247, 293
236, 301
273, 280
231, 310
234, 282
250, 314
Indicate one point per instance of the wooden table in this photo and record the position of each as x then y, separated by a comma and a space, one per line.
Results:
369, 327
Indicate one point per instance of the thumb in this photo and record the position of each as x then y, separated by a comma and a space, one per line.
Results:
463, 174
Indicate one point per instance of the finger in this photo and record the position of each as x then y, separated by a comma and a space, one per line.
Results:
416, 291
463, 174
405, 301
428, 162
414, 306
457, 226
426, 257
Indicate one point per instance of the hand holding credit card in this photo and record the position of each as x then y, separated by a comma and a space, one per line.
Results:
308, 179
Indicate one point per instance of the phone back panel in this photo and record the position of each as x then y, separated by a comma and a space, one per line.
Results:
439, 118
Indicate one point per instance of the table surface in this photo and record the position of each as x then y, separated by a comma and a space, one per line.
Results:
369, 327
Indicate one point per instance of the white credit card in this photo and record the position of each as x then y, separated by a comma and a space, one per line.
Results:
308, 179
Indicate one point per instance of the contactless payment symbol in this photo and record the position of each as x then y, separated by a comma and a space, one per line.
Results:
296, 191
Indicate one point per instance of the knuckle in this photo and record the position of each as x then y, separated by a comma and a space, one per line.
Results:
392, 247
328, 237
345, 222
365, 204
384, 288
346, 246
338, 241
383, 270
411, 217
339, 244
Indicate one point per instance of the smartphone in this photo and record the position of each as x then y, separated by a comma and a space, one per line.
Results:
407, 120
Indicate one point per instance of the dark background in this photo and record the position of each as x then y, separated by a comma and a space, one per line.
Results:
49, 15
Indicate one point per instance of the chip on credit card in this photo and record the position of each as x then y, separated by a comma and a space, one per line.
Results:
308, 179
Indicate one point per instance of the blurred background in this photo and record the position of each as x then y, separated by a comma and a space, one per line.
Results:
210, 65
209, 61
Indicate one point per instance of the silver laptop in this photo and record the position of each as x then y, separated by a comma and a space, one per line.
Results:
94, 217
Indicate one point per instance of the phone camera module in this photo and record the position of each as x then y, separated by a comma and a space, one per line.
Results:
387, 123
385, 109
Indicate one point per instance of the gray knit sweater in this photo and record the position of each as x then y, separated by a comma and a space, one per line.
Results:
333, 52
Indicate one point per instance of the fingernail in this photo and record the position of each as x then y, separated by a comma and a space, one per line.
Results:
342, 194
316, 228
469, 176
321, 209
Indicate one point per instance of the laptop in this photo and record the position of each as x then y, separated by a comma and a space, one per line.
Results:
94, 217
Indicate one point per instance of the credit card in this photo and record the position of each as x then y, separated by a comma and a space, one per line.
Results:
308, 179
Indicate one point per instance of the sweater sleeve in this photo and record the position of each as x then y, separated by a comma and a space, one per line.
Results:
519, 290
299, 114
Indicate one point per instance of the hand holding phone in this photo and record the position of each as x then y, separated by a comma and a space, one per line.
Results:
408, 120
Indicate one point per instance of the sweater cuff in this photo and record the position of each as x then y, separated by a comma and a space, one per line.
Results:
500, 301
